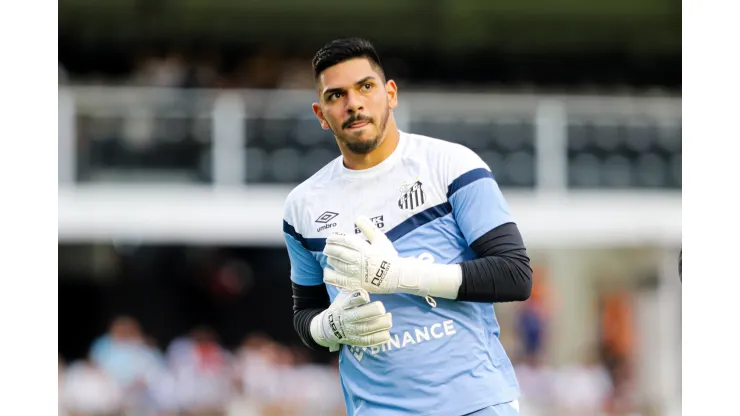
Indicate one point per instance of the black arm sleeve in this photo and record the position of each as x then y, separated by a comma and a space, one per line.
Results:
308, 301
501, 273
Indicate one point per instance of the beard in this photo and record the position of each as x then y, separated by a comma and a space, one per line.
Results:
362, 147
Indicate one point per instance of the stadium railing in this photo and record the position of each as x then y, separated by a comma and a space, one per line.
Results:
563, 160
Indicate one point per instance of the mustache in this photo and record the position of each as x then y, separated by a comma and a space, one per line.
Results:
356, 118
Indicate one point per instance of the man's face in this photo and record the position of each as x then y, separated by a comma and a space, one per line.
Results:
355, 104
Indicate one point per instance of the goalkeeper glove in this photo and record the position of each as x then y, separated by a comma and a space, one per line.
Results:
352, 320
376, 267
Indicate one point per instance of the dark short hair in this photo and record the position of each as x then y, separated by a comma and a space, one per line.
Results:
340, 50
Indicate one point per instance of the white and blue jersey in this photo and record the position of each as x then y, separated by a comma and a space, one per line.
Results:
433, 199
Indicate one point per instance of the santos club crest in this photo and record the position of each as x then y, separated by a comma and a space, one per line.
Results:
412, 196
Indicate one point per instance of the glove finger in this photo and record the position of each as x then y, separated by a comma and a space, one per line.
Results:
373, 234
371, 326
367, 227
370, 310
343, 295
347, 240
337, 279
355, 298
374, 339
335, 238
343, 253
342, 267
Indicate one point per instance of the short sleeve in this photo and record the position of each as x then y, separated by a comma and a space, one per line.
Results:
305, 269
478, 204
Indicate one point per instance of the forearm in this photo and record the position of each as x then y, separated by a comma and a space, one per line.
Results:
501, 273
308, 302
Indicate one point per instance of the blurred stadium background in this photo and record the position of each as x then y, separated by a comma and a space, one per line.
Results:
184, 124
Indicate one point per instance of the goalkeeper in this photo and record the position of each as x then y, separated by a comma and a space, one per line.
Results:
399, 248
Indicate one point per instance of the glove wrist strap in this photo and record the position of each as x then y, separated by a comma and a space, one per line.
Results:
428, 279
319, 334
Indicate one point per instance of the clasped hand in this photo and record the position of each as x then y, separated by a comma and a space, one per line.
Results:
372, 265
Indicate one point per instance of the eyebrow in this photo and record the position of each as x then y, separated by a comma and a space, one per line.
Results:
362, 81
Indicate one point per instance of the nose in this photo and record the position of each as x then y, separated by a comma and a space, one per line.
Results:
354, 102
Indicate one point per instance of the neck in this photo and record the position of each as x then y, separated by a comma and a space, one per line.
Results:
376, 156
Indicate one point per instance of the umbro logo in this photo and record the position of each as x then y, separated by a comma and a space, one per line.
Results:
412, 196
324, 219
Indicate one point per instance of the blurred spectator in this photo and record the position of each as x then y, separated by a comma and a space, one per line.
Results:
533, 316
162, 71
536, 383
123, 353
202, 371
531, 328
583, 388
264, 367
281, 380
625, 397
617, 328
87, 389
126, 358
